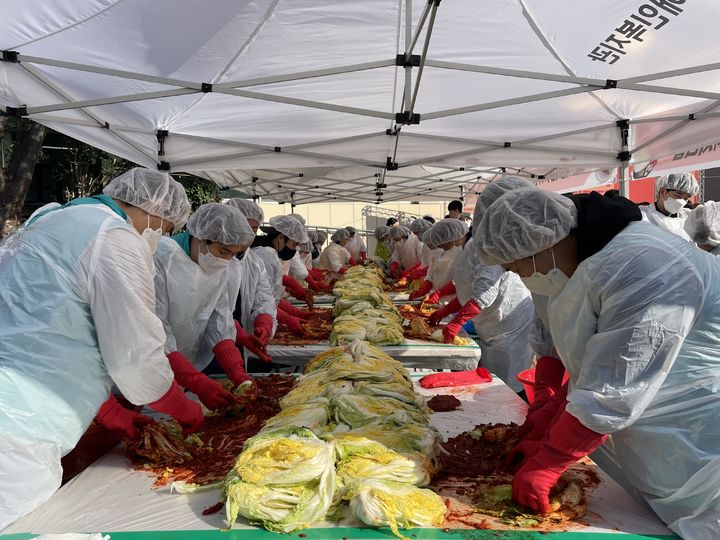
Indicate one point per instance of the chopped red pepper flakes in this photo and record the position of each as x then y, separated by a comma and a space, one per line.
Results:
443, 403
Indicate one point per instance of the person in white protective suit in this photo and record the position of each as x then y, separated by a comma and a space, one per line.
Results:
319, 243
406, 252
703, 226
383, 245
249, 291
669, 210
449, 236
419, 227
356, 246
280, 243
635, 315
191, 290
77, 315
335, 258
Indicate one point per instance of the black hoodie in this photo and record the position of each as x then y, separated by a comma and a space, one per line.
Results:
600, 219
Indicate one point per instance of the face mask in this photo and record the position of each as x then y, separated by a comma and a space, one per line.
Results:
673, 206
548, 284
152, 236
286, 253
212, 264
240, 256
315, 253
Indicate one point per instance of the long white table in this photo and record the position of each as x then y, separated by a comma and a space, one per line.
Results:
111, 497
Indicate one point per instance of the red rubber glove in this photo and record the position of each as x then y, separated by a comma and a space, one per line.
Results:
210, 392
175, 403
549, 375
418, 273
406, 273
114, 416
458, 378
294, 287
445, 290
425, 288
538, 422
521, 452
567, 441
352, 261
317, 274
288, 308
444, 311
231, 360
363, 255
293, 323
318, 286
251, 343
262, 328
342, 270
468, 311
394, 269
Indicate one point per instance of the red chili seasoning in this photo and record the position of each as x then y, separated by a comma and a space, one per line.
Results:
444, 403
214, 509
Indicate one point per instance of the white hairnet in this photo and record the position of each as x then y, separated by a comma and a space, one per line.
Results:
153, 191
447, 230
249, 209
684, 182
523, 222
339, 235
220, 223
381, 232
298, 217
322, 236
398, 232
351, 230
419, 226
703, 224
493, 192
313, 236
290, 227
427, 239
305, 247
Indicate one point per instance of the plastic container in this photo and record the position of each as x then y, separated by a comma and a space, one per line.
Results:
527, 378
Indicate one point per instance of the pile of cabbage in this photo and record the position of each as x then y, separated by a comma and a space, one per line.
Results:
352, 436
363, 312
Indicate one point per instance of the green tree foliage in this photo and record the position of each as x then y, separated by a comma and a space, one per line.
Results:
199, 190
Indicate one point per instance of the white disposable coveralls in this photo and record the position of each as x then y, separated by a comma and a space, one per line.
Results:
248, 278
77, 314
504, 323
354, 246
295, 267
427, 255
675, 225
269, 257
192, 304
333, 257
441, 268
638, 329
407, 254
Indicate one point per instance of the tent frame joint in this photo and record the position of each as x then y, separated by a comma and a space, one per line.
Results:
161, 136
391, 165
206, 88
163, 166
407, 118
16, 112
610, 84
408, 61
12, 57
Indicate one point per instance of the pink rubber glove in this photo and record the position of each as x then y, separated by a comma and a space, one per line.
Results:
458, 378
231, 360
444, 311
262, 328
468, 311
210, 392
288, 308
425, 288
175, 403
445, 290
114, 416
567, 442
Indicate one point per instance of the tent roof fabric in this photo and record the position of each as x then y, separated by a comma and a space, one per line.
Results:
329, 96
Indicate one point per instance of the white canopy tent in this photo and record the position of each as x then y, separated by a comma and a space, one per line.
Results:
306, 100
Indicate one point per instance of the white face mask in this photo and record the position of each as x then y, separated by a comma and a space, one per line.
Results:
673, 206
212, 264
152, 236
548, 284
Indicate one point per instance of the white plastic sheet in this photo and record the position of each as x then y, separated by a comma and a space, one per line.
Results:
110, 497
